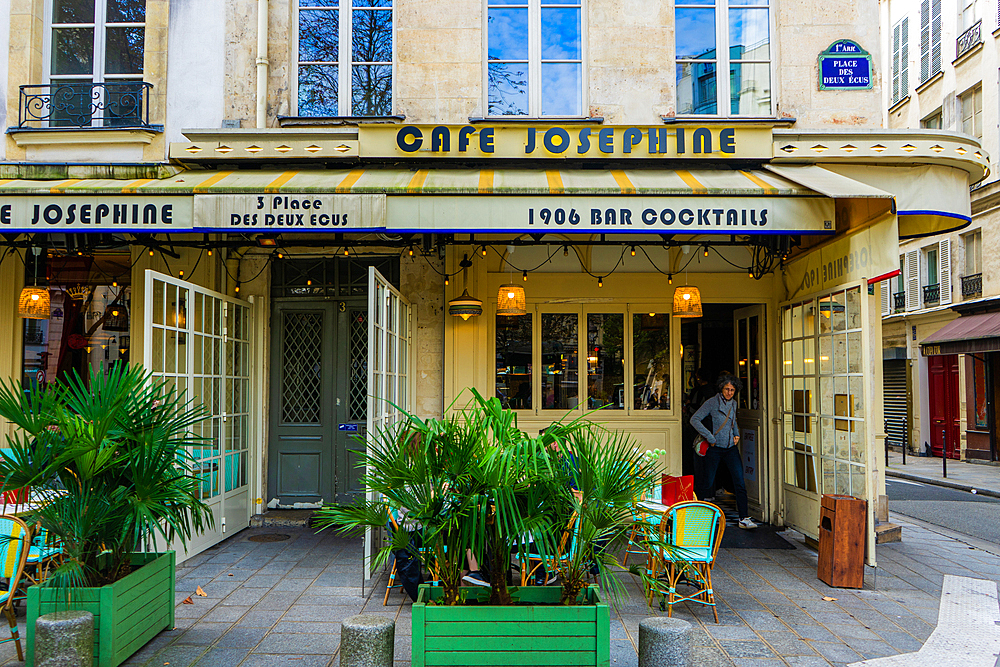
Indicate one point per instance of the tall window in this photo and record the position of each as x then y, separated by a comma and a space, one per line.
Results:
345, 58
717, 36
930, 38
96, 42
534, 54
968, 15
931, 256
900, 59
971, 103
974, 253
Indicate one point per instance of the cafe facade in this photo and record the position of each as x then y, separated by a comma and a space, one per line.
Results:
307, 250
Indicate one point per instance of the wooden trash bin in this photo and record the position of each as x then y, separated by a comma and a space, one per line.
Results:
842, 530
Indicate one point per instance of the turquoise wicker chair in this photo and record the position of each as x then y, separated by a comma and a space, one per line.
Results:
44, 552
13, 538
687, 550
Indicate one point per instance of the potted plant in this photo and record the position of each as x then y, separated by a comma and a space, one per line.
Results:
108, 464
474, 481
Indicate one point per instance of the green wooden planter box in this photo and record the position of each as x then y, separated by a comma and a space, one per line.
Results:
522, 635
127, 613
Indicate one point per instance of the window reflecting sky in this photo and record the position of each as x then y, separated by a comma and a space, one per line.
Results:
695, 31
561, 33
508, 89
561, 89
508, 34
749, 30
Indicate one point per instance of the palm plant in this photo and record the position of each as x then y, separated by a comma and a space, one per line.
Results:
475, 481
110, 457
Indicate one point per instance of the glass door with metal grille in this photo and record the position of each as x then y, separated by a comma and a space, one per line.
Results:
199, 341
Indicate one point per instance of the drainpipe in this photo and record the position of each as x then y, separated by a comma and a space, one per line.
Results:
262, 64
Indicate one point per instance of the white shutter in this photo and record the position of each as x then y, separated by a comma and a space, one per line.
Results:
944, 270
912, 280
935, 36
904, 57
886, 298
895, 62
925, 40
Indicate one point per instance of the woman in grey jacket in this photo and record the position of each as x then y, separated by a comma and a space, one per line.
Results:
723, 440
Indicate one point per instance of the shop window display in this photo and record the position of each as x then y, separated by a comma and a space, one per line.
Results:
89, 320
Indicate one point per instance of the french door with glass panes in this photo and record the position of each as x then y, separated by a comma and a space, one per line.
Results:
748, 324
199, 341
827, 381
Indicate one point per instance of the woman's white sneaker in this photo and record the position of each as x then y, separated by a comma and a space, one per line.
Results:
747, 524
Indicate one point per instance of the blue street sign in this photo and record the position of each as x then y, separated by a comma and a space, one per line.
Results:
845, 66
350, 428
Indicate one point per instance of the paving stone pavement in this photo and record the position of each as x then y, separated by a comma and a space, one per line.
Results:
281, 603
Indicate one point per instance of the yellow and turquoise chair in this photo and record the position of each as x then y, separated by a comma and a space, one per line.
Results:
44, 552
690, 537
14, 537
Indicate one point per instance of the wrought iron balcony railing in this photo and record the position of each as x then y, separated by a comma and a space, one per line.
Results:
899, 301
932, 293
972, 286
969, 39
84, 104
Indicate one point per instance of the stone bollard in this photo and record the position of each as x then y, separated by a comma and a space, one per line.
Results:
64, 639
664, 641
367, 640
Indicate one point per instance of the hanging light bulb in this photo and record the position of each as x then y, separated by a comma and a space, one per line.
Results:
150, 252
670, 279
309, 282
446, 282
347, 253
411, 251
633, 251
181, 275
706, 251
484, 251
237, 288
281, 255
114, 283
600, 281
209, 252
524, 276
565, 251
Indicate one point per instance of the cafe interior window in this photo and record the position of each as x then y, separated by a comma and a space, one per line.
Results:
345, 50
88, 327
723, 36
534, 54
600, 347
979, 394
513, 355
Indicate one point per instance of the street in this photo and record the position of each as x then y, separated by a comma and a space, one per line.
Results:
971, 514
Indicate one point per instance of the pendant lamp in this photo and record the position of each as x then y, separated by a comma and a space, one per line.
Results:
465, 306
687, 302
510, 300
34, 302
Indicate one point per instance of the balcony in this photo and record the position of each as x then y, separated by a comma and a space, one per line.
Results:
972, 286
84, 105
968, 39
932, 294
899, 302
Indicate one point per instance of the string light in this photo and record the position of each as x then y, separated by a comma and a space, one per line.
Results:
633, 251
181, 275
237, 288
484, 251
209, 252
114, 283
670, 279
565, 251
446, 281
706, 251
309, 282
150, 252
411, 251
347, 253
281, 255
600, 281
524, 276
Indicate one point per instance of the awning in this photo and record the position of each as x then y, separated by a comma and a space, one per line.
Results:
968, 334
435, 181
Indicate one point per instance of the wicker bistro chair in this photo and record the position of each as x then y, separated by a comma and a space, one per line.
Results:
14, 537
642, 522
394, 526
564, 550
45, 552
690, 536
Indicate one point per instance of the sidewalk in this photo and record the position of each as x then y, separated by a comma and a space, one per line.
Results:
961, 475
281, 603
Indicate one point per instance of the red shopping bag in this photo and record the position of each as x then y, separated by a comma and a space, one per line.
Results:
677, 489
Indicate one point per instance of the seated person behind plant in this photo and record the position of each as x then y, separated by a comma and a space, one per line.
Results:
407, 564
